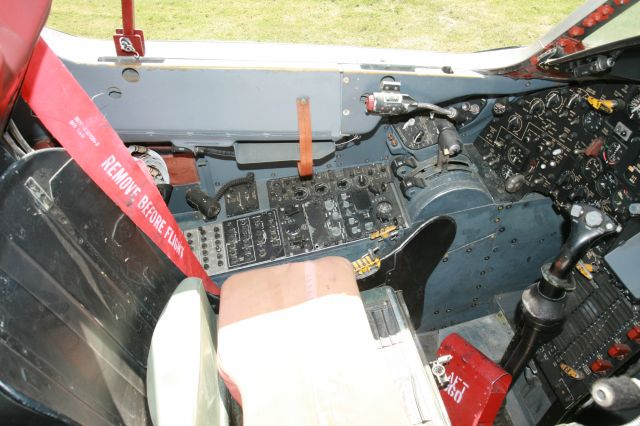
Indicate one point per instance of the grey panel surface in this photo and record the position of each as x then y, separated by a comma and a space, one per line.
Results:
623, 261
257, 152
215, 106
498, 248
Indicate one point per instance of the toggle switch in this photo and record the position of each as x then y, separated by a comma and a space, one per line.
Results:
619, 350
634, 334
601, 366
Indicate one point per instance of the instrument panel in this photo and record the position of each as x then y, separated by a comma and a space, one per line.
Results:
574, 144
332, 208
600, 335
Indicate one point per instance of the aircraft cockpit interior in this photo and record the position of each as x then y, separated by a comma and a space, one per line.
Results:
226, 234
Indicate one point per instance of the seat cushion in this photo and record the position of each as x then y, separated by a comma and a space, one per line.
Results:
295, 348
182, 377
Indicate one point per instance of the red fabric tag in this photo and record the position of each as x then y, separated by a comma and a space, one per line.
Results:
74, 120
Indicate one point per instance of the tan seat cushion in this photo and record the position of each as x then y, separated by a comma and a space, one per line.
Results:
295, 348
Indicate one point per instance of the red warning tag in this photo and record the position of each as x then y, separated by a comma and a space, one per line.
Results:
74, 120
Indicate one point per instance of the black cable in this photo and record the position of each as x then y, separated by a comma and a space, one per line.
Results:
247, 180
214, 152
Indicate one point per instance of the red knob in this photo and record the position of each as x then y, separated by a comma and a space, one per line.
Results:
576, 31
619, 350
601, 366
370, 102
634, 334
606, 10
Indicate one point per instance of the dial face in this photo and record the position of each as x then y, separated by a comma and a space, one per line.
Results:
514, 123
592, 168
634, 107
506, 171
384, 207
516, 156
499, 108
592, 121
620, 199
574, 100
612, 152
553, 100
300, 193
537, 107
606, 185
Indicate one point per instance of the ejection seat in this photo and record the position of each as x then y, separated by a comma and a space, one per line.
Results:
81, 291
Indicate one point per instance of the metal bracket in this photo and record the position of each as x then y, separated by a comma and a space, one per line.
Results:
39, 194
438, 370
128, 40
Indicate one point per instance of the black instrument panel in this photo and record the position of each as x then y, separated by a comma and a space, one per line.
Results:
601, 334
576, 144
332, 208
557, 143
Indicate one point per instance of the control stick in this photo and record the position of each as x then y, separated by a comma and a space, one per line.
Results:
541, 311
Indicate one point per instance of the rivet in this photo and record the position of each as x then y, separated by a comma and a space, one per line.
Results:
346, 112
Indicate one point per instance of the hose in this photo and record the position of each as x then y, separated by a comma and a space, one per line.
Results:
247, 180
214, 152
448, 112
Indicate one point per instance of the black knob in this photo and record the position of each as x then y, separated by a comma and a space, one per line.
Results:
579, 193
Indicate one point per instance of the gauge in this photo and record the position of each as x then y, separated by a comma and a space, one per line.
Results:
620, 199
514, 123
384, 207
632, 173
612, 152
592, 121
500, 107
506, 171
634, 107
300, 193
574, 100
536, 107
592, 168
566, 180
553, 100
606, 184
516, 156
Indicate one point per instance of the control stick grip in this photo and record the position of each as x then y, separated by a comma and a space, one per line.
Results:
588, 224
199, 200
449, 139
